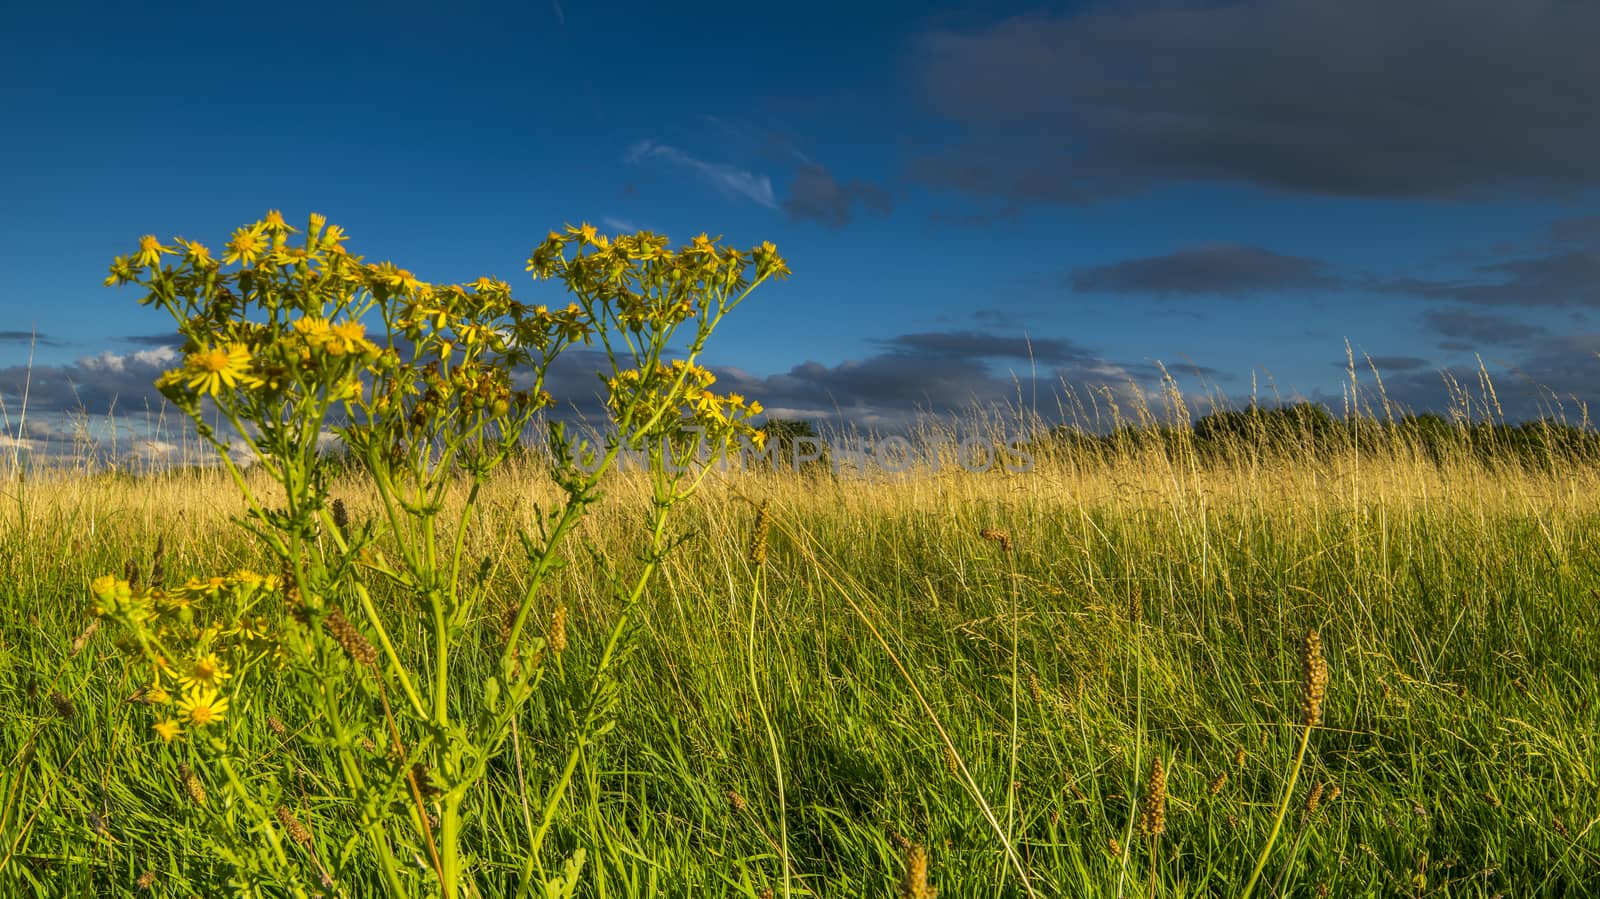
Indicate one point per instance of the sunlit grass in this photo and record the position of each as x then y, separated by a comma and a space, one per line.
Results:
912, 684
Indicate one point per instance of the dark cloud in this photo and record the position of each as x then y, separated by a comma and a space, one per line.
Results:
1468, 328
994, 318
1583, 230
1384, 364
939, 373
817, 196
1367, 98
1556, 378
1222, 270
95, 385
981, 219
28, 338
985, 345
172, 339
1561, 279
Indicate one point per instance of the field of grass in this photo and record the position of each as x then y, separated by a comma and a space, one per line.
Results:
893, 686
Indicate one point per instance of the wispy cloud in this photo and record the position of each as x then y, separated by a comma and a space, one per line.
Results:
28, 338
727, 178
619, 225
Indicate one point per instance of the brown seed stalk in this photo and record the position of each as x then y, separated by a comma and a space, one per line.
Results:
557, 637
296, 830
1153, 817
191, 784
1313, 680
915, 885
352, 640
998, 536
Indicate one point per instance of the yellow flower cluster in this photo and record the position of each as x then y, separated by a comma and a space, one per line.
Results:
195, 638
677, 393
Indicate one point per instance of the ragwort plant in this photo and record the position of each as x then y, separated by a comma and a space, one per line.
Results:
278, 346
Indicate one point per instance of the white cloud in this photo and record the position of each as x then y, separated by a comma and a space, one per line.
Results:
751, 186
140, 359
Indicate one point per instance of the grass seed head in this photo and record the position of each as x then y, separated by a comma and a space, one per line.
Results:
1218, 783
291, 825
997, 536
341, 518
66, 710
146, 880
354, 642
915, 885
191, 784
1313, 681
1314, 798
557, 637
1153, 817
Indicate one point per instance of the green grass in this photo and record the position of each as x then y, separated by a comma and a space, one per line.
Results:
1151, 604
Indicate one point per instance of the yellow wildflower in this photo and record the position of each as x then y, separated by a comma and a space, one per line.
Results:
121, 271
334, 236
208, 672
247, 244
198, 253
203, 706
150, 250
155, 693
168, 730
274, 223
214, 368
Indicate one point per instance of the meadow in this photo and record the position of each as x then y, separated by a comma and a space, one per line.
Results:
1086, 679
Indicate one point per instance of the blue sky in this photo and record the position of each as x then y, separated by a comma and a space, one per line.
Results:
1230, 188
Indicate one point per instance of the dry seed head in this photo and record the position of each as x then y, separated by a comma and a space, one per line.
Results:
275, 724
758, 536
737, 801
952, 765
1033, 688
1334, 792
1114, 847
558, 630
66, 710
1238, 758
1218, 783
341, 518
83, 638
354, 642
192, 784
915, 886
1153, 818
424, 782
146, 880
998, 536
1314, 679
1314, 798
292, 826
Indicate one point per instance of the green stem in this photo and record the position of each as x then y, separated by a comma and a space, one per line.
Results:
1277, 821
772, 734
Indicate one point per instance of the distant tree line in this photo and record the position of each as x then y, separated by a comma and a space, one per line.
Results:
1311, 429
